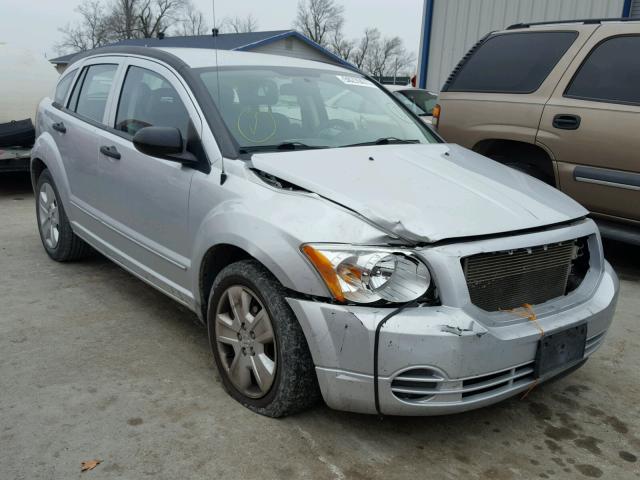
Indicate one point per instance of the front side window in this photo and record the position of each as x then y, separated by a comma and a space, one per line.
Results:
63, 87
611, 72
92, 90
148, 99
266, 107
512, 62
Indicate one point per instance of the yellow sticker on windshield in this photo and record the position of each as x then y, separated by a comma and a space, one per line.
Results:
256, 126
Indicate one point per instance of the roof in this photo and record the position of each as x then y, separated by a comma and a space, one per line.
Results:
224, 41
199, 58
586, 21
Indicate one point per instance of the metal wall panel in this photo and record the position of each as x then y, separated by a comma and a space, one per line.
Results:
458, 24
635, 9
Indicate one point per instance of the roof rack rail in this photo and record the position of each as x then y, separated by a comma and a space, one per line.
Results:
586, 21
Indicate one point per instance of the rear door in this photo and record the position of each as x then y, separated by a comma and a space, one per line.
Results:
145, 199
499, 90
75, 124
592, 124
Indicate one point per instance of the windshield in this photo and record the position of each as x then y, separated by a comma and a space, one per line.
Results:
295, 108
421, 99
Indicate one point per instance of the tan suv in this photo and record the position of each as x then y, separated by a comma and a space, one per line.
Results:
560, 101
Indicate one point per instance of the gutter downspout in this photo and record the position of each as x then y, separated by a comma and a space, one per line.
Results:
425, 42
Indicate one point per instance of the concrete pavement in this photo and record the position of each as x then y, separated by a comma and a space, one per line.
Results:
95, 364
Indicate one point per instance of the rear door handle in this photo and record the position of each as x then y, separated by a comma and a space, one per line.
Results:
566, 122
110, 152
59, 127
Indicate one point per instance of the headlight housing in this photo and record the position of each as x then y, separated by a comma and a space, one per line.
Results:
369, 274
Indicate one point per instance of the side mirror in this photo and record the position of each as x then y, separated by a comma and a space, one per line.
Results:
163, 142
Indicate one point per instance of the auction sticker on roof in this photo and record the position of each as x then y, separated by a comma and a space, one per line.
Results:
362, 82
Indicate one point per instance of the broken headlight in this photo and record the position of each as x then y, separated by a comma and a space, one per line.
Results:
369, 274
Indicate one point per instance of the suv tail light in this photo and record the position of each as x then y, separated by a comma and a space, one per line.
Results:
436, 115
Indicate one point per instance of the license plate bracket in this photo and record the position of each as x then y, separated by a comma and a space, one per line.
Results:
560, 350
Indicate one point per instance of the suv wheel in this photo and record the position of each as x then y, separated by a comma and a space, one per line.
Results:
257, 342
58, 239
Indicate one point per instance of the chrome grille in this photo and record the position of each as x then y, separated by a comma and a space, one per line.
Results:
509, 279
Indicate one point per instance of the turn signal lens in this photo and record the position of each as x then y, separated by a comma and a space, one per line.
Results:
326, 271
436, 115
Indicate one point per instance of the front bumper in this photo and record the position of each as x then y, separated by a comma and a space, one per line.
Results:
445, 359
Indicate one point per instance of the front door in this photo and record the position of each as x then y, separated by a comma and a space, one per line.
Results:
592, 126
145, 199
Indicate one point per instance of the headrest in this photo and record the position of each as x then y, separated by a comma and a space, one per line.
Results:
258, 91
288, 89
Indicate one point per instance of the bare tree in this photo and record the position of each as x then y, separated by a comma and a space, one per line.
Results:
122, 20
156, 16
90, 32
341, 46
401, 63
318, 19
240, 24
192, 23
103, 23
365, 45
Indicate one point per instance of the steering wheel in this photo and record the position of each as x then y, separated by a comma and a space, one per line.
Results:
335, 126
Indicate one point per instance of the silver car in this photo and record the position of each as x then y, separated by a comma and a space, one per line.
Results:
343, 251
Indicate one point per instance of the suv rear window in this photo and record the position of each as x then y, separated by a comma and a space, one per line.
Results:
511, 62
611, 73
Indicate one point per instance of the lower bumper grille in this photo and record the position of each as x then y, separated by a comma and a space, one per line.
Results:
420, 385
509, 279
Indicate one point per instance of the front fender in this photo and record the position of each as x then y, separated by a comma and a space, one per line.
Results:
275, 248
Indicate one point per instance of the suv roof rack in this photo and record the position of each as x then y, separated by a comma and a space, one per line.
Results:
585, 21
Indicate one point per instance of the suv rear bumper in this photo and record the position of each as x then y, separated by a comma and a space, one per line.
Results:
464, 363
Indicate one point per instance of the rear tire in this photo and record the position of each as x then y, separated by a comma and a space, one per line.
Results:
293, 385
57, 237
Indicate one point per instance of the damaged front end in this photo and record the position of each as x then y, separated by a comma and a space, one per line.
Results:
461, 353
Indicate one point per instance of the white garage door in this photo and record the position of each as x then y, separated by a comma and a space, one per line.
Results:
635, 9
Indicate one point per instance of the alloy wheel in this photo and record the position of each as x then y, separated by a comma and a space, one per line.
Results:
245, 341
49, 216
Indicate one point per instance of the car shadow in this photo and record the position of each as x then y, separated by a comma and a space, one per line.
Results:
624, 258
15, 184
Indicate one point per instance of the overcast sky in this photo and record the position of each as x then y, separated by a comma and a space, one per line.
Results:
34, 23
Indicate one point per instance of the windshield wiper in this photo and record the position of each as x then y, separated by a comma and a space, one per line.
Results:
384, 141
281, 146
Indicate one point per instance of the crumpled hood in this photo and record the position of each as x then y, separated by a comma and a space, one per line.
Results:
424, 193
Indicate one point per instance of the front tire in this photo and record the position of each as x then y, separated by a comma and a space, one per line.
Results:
58, 239
260, 350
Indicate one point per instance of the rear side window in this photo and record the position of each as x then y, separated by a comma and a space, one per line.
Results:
611, 73
512, 62
89, 98
63, 87
148, 99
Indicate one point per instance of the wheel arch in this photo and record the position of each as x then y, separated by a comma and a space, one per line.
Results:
37, 167
214, 260
45, 154
515, 151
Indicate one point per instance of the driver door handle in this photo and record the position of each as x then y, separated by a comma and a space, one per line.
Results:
110, 152
566, 122
59, 127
